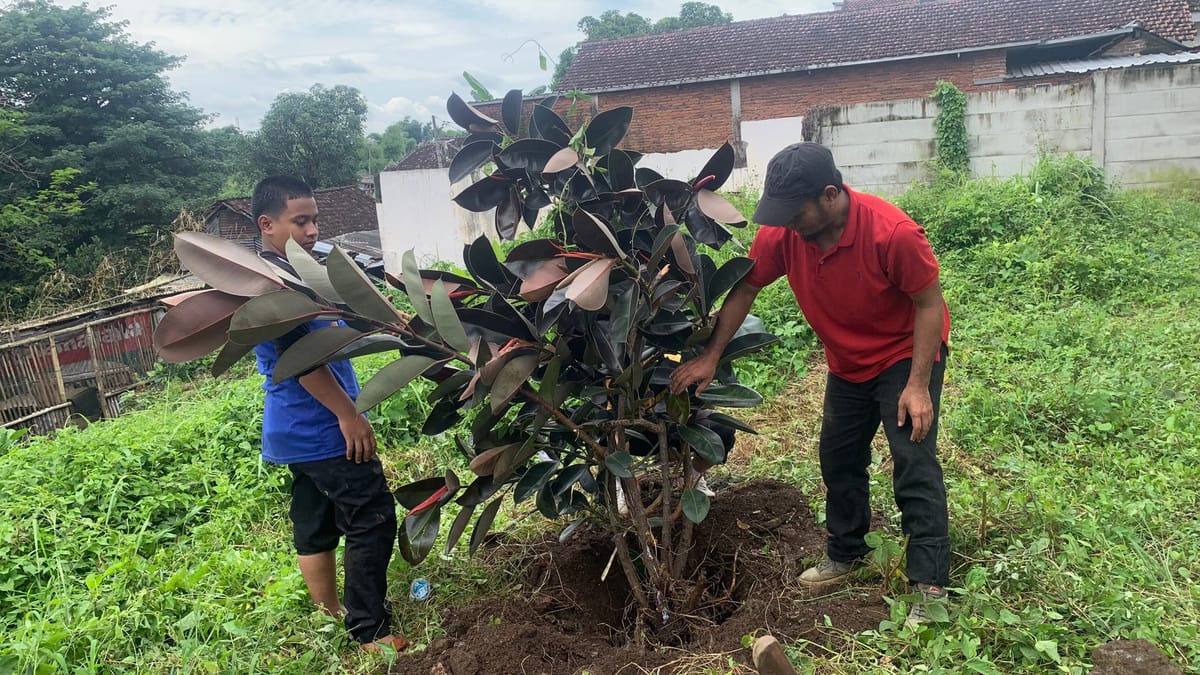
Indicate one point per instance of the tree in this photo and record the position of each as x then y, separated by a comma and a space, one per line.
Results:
693, 15
316, 135
399, 139
612, 24
96, 102
230, 151
29, 245
563, 350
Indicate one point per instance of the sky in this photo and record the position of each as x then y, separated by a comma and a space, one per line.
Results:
406, 57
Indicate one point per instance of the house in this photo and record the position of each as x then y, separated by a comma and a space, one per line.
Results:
342, 210
752, 82
416, 212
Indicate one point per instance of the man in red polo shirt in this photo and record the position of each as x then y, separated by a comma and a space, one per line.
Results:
867, 281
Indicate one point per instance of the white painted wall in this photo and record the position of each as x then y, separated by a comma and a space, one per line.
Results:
1139, 123
416, 212
762, 138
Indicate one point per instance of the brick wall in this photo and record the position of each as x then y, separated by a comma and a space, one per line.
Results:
695, 116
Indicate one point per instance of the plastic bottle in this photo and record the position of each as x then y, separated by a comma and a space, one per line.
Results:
420, 590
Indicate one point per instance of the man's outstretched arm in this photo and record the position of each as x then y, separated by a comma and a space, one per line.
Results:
700, 370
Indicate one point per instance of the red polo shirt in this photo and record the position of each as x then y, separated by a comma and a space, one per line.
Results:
857, 296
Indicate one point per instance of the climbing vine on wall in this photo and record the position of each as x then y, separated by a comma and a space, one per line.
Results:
951, 127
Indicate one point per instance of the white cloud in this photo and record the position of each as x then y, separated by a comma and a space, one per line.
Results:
405, 56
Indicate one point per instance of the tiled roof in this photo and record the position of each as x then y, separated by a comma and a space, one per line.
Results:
865, 30
342, 209
434, 154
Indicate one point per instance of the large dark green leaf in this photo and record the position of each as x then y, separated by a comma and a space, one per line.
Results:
445, 319
704, 441
510, 112
624, 314
695, 505
226, 265
568, 477
411, 495
618, 464
493, 325
547, 124
534, 250
230, 354
356, 289
607, 129
369, 344
443, 416
471, 157
479, 491
731, 396
644, 176
458, 527
481, 262
619, 166
510, 378
704, 229
719, 167
675, 194
484, 194
726, 278
196, 326
594, 234
747, 344
730, 421
533, 480
414, 287
418, 534
530, 154
484, 524
269, 316
662, 244
390, 379
312, 273
466, 116
450, 386
313, 350
508, 215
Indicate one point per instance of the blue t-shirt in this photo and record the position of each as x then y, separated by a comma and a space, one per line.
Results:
296, 427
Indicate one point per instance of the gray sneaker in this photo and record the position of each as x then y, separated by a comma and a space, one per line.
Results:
828, 572
929, 595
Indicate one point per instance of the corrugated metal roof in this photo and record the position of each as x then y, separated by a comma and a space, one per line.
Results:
1101, 63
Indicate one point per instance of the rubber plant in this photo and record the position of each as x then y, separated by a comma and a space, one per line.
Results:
563, 350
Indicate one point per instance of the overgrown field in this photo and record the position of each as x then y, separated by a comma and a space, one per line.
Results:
1071, 438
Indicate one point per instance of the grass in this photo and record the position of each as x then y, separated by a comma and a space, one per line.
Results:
1070, 436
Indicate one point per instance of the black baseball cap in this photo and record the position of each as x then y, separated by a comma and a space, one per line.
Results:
795, 174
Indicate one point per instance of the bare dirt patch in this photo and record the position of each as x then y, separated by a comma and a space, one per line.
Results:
754, 543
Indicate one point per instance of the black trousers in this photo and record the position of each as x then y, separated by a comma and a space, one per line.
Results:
853, 413
336, 497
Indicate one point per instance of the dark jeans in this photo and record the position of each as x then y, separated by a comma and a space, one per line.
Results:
853, 413
334, 497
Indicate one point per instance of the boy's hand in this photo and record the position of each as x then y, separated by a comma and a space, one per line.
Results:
360, 438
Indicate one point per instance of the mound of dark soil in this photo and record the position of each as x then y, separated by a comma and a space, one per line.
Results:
753, 545
1131, 657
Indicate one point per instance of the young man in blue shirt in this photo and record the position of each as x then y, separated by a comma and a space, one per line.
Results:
310, 424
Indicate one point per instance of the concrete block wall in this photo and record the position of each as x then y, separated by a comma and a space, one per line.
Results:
1151, 123
1141, 124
